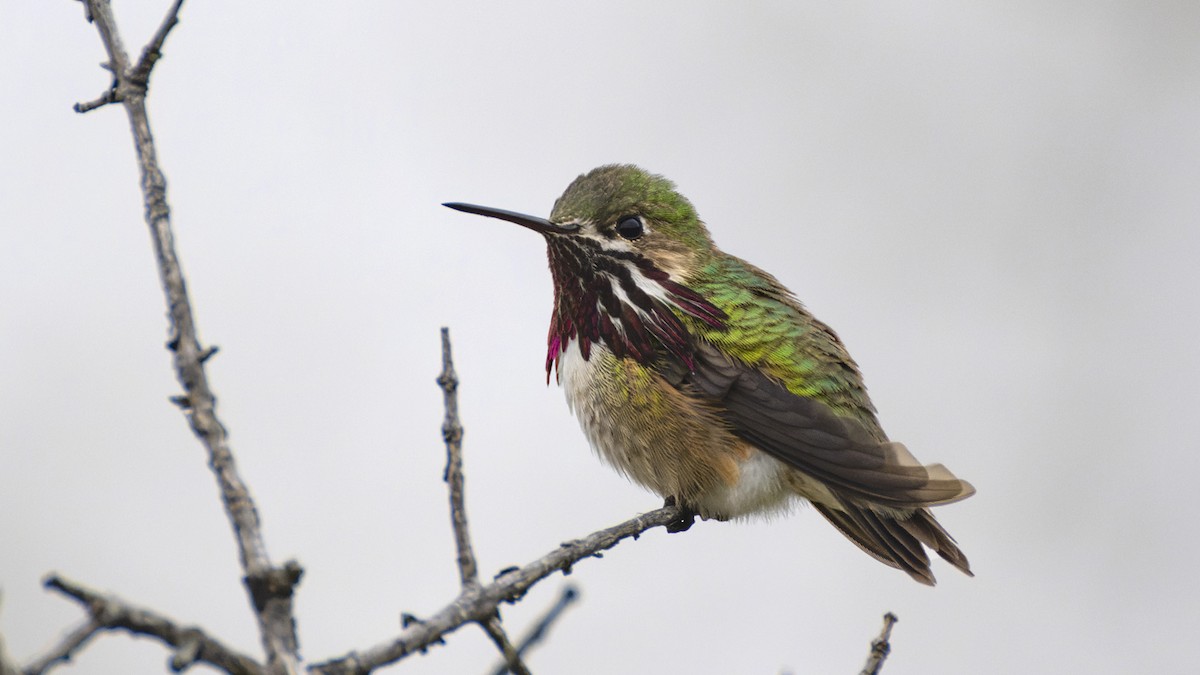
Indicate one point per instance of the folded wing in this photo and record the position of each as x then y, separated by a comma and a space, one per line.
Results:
809, 436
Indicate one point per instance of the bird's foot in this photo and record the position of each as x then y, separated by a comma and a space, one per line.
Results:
684, 522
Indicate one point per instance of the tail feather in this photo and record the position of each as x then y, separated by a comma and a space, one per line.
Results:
930, 532
896, 539
905, 549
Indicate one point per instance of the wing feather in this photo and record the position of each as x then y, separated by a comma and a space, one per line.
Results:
809, 436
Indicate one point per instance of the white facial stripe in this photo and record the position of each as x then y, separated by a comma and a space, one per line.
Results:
588, 230
648, 286
609, 243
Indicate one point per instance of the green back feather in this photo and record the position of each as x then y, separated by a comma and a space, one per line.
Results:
769, 329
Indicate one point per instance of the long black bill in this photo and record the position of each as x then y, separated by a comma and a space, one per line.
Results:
532, 222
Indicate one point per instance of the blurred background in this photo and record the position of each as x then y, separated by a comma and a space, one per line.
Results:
995, 204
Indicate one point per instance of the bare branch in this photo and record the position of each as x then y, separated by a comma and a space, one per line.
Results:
152, 52
66, 648
108, 612
880, 647
512, 658
468, 569
509, 586
270, 588
568, 596
452, 432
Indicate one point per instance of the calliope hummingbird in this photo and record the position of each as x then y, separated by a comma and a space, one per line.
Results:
702, 378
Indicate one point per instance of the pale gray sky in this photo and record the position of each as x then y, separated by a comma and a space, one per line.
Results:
995, 204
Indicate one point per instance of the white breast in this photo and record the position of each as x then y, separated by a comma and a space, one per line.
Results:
576, 376
574, 373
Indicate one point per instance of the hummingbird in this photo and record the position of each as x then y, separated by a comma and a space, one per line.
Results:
702, 378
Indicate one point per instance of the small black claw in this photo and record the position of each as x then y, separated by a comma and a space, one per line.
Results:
683, 524
685, 520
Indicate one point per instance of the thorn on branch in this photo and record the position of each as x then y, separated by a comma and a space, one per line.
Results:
182, 401
209, 353
407, 620
438, 642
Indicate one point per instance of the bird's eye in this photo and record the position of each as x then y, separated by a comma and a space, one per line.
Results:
630, 228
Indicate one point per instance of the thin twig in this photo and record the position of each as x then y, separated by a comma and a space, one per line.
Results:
452, 432
270, 588
152, 52
118, 59
512, 657
880, 647
66, 647
100, 101
108, 612
541, 628
468, 569
509, 586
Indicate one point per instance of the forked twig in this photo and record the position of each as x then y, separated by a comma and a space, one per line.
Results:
270, 588
108, 612
508, 586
